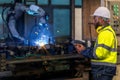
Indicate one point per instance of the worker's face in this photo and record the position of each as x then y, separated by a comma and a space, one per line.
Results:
79, 47
97, 21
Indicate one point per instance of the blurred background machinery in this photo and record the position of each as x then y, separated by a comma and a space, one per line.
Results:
114, 7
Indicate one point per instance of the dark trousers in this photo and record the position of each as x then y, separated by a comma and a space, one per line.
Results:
102, 77
101, 72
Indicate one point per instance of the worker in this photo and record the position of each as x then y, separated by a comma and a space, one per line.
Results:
103, 55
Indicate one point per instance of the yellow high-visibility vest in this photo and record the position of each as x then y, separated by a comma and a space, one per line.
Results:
105, 48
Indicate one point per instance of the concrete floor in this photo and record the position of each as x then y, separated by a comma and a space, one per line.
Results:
117, 76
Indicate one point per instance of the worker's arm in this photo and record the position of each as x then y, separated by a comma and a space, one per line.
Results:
88, 52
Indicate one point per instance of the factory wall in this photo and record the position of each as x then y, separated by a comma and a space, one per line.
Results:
89, 6
78, 23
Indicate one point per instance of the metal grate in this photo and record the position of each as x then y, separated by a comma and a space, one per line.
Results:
29, 2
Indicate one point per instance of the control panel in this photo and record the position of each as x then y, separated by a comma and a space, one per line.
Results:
114, 7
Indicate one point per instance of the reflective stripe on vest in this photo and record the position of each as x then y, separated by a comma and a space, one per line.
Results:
101, 63
107, 47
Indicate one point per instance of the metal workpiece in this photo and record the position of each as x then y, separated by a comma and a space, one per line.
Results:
33, 60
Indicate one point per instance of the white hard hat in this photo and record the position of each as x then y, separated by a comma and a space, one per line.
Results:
102, 12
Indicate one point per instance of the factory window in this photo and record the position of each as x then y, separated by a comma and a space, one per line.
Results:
0, 16
1, 27
78, 2
60, 2
30, 2
42, 2
6, 1
61, 22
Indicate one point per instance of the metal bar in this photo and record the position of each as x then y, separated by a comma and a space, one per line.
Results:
43, 58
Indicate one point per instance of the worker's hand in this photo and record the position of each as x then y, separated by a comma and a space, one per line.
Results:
79, 47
